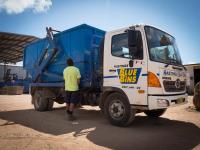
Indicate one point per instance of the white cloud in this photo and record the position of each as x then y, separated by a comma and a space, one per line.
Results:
18, 6
191, 62
42, 5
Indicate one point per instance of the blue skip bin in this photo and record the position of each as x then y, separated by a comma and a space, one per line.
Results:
45, 59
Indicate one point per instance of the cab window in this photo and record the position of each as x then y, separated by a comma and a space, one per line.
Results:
120, 47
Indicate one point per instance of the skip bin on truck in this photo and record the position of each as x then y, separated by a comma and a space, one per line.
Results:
125, 71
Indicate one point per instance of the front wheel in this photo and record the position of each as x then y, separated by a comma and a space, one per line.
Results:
118, 110
155, 113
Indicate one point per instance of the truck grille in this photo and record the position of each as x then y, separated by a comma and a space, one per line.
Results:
170, 86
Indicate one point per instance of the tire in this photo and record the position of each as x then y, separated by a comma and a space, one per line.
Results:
118, 110
196, 98
41, 102
155, 113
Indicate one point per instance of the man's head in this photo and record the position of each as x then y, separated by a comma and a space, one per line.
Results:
165, 41
70, 62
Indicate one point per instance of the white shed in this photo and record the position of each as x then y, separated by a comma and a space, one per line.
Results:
193, 76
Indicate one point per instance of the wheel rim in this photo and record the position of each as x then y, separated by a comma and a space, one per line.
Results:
116, 109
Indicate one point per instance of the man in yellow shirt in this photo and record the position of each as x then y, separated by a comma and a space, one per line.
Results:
72, 77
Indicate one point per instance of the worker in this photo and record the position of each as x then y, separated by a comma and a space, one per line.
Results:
72, 77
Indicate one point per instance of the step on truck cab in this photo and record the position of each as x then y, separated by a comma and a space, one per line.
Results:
125, 71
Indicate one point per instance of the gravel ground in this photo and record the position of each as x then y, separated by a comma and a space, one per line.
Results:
21, 127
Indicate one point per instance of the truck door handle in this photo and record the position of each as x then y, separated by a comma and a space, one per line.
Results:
112, 70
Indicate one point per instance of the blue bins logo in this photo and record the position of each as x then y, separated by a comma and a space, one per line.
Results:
129, 75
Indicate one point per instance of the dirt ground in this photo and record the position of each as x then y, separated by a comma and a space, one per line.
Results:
21, 127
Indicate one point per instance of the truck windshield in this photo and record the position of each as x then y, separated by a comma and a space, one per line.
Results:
162, 46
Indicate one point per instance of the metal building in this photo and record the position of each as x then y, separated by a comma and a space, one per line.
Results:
14, 70
11, 52
193, 76
12, 46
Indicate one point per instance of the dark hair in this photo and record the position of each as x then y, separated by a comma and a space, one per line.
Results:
70, 62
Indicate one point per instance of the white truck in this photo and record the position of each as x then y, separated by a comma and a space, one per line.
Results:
140, 71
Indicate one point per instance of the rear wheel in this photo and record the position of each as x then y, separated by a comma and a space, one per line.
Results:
196, 98
41, 101
155, 113
118, 110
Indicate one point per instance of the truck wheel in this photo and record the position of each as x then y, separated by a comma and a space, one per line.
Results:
41, 101
118, 110
196, 98
155, 113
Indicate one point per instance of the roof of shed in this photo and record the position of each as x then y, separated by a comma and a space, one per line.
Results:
197, 64
12, 46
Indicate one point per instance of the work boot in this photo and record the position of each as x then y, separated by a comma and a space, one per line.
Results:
71, 117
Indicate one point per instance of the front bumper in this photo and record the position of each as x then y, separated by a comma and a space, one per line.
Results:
165, 101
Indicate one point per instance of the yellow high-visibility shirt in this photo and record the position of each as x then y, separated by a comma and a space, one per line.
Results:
71, 75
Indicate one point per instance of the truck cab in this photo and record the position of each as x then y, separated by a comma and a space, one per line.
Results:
142, 71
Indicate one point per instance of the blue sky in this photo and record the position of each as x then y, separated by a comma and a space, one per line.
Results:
181, 18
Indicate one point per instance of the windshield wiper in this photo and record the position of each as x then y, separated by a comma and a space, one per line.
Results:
167, 65
170, 62
184, 67
173, 62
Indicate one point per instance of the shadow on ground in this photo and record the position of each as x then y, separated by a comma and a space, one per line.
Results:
144, 133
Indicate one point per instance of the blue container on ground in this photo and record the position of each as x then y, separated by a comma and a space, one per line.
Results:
79, 43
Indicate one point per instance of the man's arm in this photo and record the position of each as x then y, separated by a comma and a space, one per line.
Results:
78, 77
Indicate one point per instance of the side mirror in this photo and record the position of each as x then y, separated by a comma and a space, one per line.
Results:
132, 38
132, 44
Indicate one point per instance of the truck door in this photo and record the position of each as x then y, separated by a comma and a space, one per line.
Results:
126, 67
